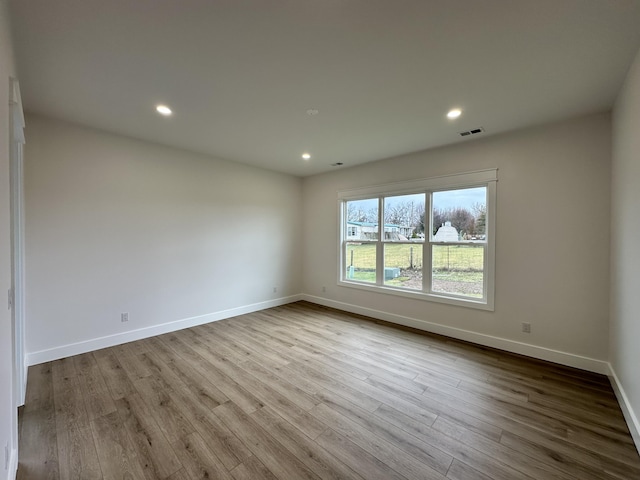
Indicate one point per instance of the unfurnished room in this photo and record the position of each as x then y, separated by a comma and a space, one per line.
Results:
339, 239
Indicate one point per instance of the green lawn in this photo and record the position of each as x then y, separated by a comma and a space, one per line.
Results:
462, 258
456, 268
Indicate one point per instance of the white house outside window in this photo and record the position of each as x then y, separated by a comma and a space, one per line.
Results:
430, 239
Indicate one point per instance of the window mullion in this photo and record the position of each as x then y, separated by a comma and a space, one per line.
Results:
343, 239
490, 245
427, 250
380, 244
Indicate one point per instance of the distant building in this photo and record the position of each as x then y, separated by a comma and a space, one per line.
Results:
369, 231
446, 233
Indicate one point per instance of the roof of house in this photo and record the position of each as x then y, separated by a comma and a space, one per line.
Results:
372, 224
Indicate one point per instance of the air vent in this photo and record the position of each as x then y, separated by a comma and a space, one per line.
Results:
337, 164
472, 132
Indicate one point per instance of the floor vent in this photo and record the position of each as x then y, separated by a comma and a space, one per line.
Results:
472, 132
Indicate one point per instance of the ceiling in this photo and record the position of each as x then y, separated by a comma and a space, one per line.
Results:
240, 75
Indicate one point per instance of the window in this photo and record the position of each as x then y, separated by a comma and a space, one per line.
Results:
430, 239
360, 255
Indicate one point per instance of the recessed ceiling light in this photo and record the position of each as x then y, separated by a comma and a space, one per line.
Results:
306, 156
164, 110
455, 113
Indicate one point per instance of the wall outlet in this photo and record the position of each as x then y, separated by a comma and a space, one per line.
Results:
275, 289
6, 456
324, 289
124, 317
526, 327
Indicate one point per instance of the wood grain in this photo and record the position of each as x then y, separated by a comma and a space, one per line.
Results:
307, 392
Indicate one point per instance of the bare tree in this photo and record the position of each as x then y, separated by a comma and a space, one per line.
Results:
461, 219
355, 213
439, 217
480, 214
399, 213
420, 219
409, 214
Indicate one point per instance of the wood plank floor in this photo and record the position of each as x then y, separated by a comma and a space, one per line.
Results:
306, 392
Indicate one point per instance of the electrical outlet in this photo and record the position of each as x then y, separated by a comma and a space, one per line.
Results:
124, 317
6, 456
526, 327
324, 289
275, 289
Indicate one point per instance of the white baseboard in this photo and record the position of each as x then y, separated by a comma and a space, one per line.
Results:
542, 353
12, 471
625, 406
23, 393
34, 358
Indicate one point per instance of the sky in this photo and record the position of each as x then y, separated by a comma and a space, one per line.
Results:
465, 198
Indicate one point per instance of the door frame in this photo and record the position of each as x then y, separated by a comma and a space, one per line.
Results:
17, 140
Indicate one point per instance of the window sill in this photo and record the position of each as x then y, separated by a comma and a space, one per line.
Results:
479, 304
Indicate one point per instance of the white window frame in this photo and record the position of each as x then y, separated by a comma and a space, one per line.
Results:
483, 178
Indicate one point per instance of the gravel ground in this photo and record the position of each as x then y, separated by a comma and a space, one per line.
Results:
442, 285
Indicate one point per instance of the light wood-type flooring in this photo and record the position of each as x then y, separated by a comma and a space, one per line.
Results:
306, 392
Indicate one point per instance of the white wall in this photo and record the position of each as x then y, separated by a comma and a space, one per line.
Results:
552, 267
117, 225
625, 244
7, 412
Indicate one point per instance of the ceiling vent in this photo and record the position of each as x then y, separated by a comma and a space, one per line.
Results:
472, 132
337, 164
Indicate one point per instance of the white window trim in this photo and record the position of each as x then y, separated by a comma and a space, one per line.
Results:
487, 178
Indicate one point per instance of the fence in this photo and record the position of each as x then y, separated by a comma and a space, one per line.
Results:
454, 258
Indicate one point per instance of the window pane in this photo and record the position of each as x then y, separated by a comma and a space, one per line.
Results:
361, 262
458, 269
362, 219
404, 218
459, 215
403, 265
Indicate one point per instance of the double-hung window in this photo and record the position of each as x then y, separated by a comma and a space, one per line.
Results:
432, 239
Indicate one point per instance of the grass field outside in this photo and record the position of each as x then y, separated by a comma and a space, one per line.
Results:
457, 269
